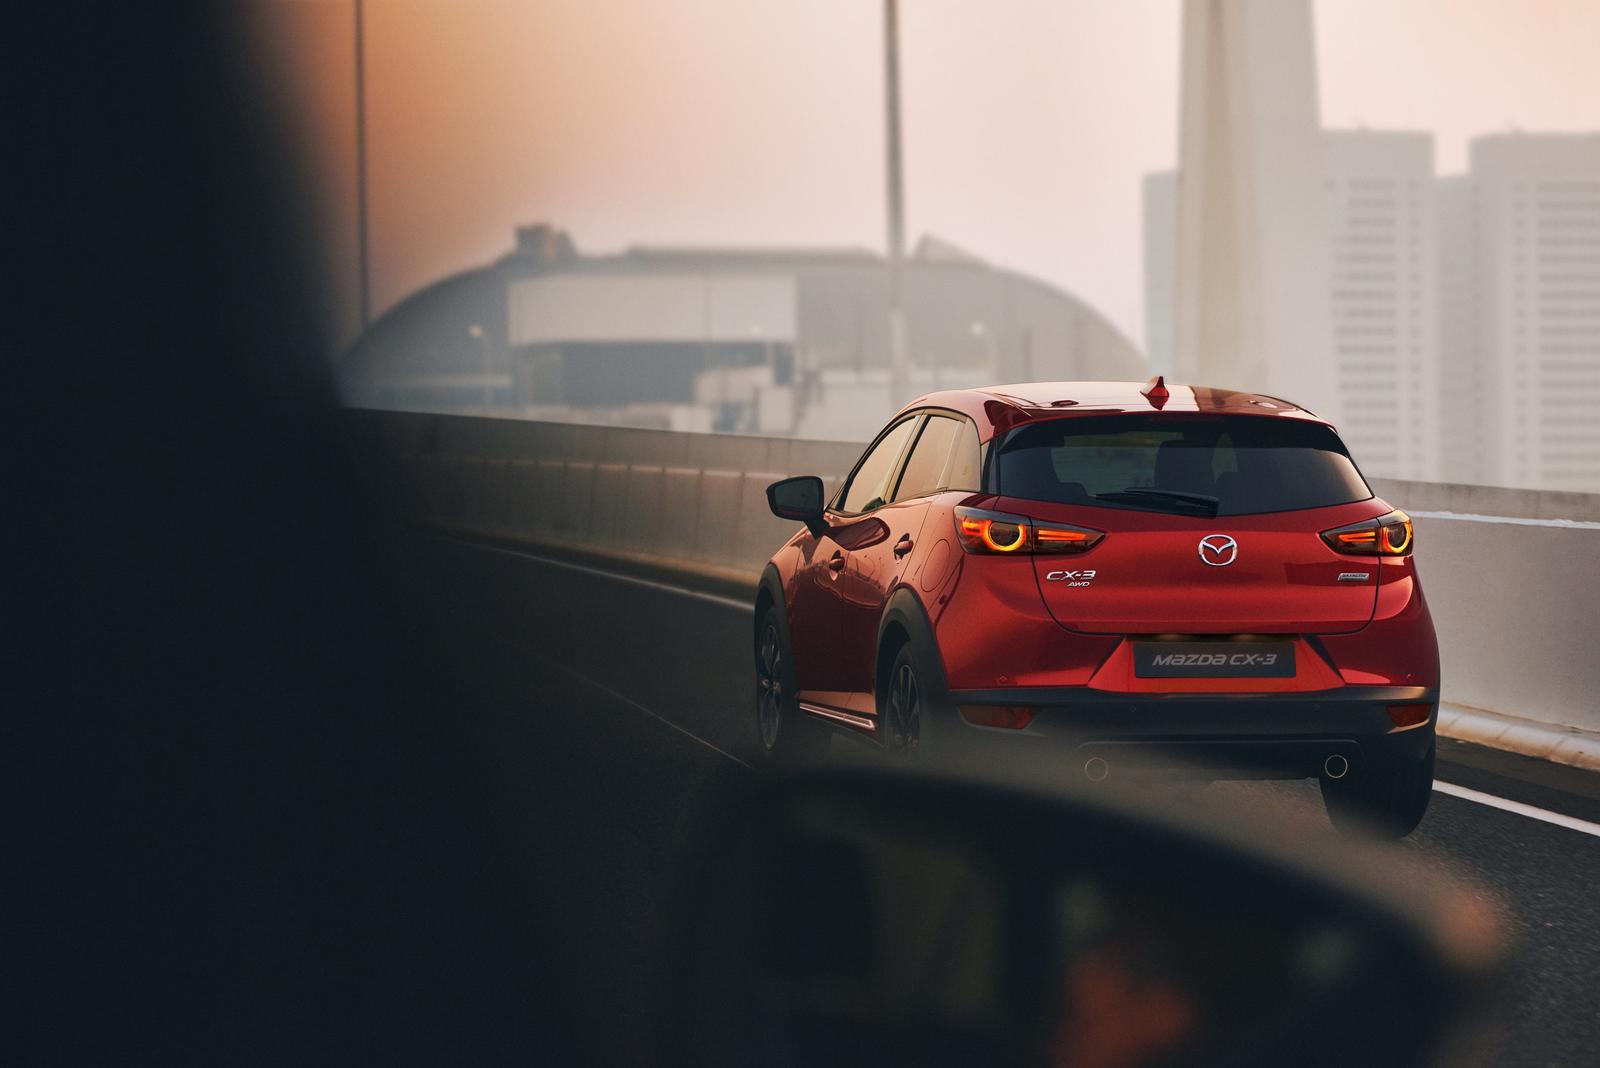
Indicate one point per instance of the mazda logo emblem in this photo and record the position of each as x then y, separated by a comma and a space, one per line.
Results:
1218, 550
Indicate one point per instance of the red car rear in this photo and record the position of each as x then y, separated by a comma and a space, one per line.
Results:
1121, 578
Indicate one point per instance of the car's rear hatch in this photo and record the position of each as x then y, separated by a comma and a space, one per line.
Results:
1148, 574
1256, 489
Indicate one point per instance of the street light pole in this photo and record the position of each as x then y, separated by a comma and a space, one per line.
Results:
899, 370
980, 329
476, 332
363, 296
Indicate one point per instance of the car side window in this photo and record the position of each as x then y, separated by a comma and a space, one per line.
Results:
966, 461
928, 469
869, 486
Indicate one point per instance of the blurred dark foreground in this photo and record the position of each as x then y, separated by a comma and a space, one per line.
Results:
245, 818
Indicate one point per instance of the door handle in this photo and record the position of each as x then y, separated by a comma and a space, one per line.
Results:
903, 546
836, 562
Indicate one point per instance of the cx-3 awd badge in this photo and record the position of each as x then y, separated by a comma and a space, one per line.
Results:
1218, 550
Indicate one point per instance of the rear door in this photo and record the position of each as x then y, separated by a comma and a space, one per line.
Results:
1167, 564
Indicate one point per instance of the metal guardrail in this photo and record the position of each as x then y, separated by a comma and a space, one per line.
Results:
1515, 593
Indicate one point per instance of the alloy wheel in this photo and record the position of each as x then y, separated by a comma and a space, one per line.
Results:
904, 713
769, 687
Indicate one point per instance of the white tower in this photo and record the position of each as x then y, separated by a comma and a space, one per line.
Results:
1252, 277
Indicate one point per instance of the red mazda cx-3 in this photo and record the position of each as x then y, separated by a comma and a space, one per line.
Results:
1123, 577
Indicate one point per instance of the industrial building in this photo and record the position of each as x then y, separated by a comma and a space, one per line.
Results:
772, 341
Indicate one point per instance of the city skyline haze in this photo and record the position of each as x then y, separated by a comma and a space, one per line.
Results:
1028, 125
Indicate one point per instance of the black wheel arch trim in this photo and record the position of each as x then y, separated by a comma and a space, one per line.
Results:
772, 585
905, 609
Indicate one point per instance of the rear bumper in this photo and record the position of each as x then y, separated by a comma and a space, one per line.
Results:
1228, 736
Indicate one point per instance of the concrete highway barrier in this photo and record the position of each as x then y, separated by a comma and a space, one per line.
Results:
1512, 576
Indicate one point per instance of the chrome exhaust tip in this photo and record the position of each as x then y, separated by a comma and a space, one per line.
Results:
1336, 767
1095, 769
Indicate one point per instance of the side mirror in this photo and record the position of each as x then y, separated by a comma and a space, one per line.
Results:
798, 498
856, 919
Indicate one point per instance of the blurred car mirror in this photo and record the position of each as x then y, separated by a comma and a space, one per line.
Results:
849, 918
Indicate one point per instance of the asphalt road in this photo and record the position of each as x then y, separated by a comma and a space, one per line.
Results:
599, 713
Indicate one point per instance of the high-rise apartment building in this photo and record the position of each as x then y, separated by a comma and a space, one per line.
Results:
1463, 429
1524, 255
1382, 267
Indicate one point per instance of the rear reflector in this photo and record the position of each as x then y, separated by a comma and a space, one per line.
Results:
1410, 715
1002, 716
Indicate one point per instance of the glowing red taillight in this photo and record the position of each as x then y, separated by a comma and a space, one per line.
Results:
1388, 535
982, 531
992, 534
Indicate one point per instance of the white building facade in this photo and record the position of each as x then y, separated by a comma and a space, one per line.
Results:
1383, 285
1463, 433
1524, 249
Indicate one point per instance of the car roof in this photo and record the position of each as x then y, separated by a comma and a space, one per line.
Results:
999, 408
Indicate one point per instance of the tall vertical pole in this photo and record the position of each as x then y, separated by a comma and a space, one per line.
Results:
363, 295
899, 371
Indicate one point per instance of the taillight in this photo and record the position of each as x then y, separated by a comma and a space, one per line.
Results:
982, 531
1388, 535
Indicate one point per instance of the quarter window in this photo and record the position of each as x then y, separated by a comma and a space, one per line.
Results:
966, 461
940, 459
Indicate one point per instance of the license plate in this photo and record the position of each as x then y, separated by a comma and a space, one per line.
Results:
1213, 660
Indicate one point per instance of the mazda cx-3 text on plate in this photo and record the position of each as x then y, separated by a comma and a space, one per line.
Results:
1125, 578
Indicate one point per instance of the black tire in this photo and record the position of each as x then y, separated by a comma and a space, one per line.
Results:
1386, 802
785, 736
905, 714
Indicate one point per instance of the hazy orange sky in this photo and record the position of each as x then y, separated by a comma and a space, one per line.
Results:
1027, 122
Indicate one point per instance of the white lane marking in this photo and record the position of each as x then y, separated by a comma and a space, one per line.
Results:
1572, 823
631, 703
1570, 524
619, 697
664, 587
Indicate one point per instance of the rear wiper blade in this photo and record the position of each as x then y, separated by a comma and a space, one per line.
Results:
1142, 495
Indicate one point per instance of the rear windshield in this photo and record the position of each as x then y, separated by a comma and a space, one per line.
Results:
1188, 465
